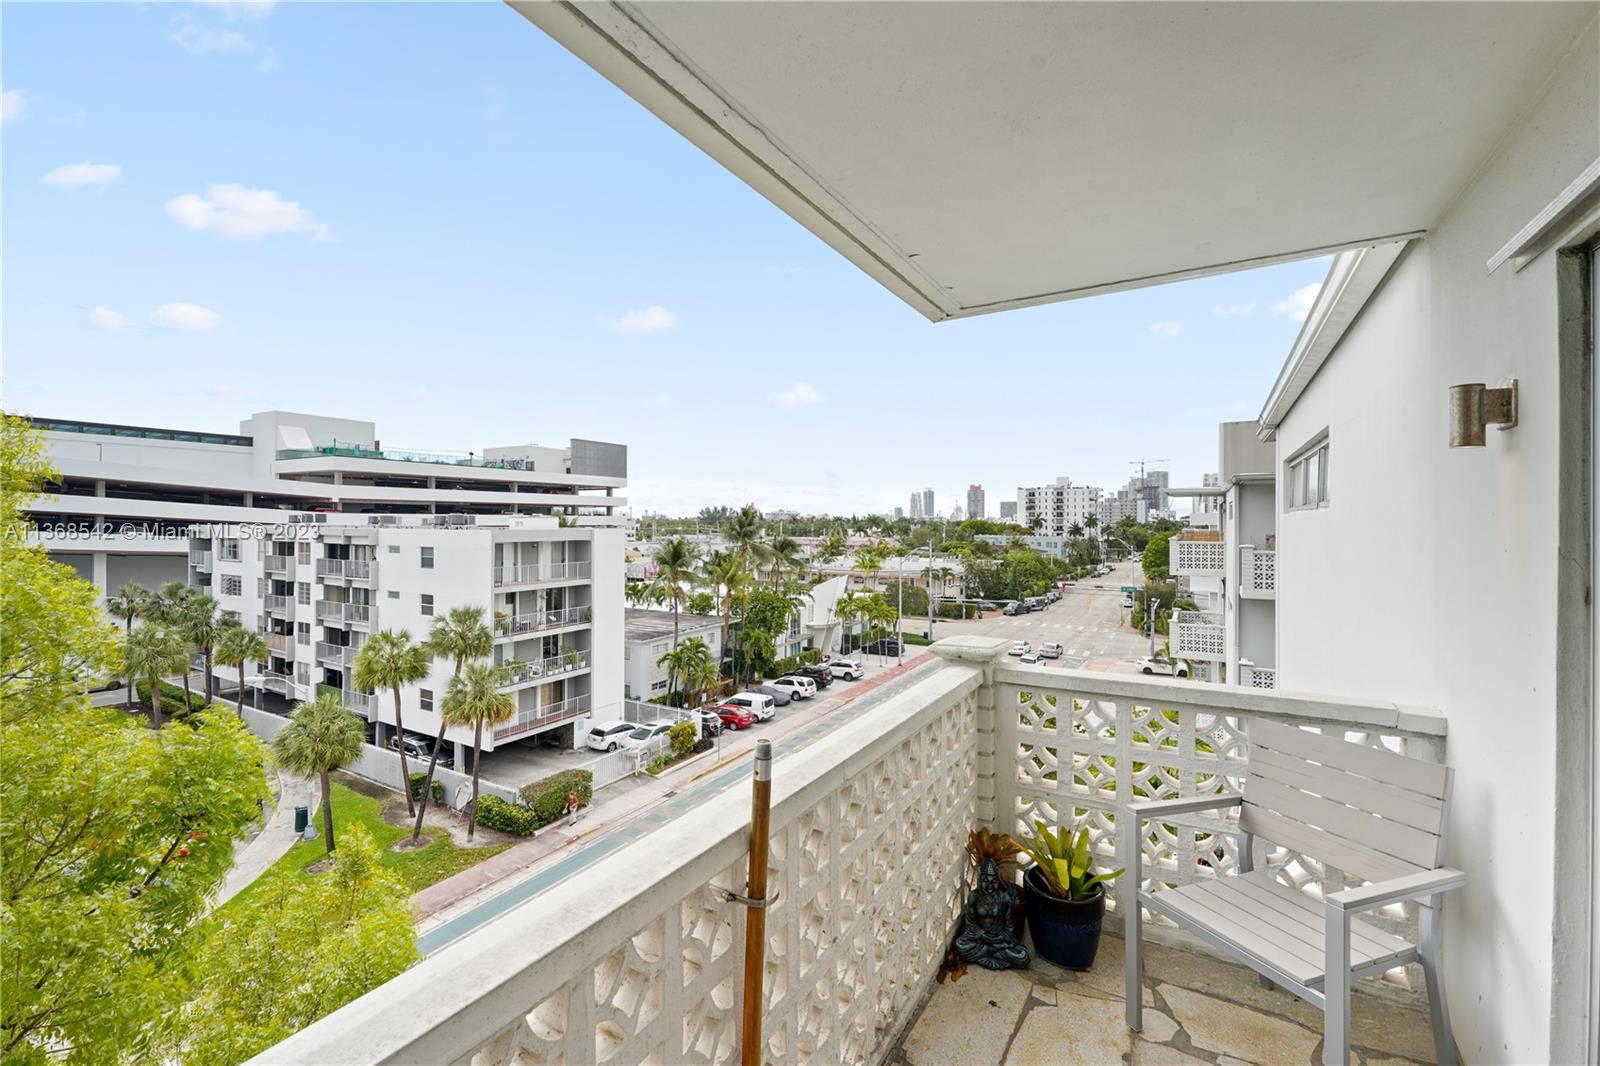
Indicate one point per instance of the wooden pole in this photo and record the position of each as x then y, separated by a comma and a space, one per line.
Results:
755, 914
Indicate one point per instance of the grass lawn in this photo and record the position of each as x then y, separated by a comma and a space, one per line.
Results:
417, 869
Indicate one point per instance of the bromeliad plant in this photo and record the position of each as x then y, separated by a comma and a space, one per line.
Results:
1064, 862
982, 844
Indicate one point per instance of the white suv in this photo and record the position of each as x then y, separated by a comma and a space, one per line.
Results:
1174, 667
646, 735
1020, 647
607, 736
756, 703
798, 688
848, 669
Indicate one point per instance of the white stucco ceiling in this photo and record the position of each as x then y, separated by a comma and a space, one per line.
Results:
977, 156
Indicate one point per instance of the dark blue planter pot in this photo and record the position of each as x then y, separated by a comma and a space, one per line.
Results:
1064, 932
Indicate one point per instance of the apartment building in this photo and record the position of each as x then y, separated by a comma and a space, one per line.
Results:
975, 504
1228, 558
128, 494
647, 636
1056, 507
1124, 503
318, 586
916, 505
1008, 510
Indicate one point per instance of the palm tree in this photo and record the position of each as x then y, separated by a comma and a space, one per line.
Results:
675, 573
171, 608
784, 557
727, 575
153, 652
743, 534
203, 623
460, 635
1075, 530
238, 646
849, 607
475, 698
1091, 522
390, 659
321, 736
127, 603
688, 663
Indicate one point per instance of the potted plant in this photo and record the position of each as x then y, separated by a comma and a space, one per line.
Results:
1064, 899
981, 845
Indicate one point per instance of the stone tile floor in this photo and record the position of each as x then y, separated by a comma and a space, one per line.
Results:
1197, 1010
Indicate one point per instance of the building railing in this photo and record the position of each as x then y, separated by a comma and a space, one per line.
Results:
337, 611
363, 703
200, 560
330, 567
1198, 635
330, 611
278, 604
281, 683
521, 671
391, 455
1198, 553
1251, 676
355, 569
339, 655
1258, 572
280, 642
533, 573
540, 717
279, 564
539, 620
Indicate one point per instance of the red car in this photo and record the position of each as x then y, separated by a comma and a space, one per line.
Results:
734, 717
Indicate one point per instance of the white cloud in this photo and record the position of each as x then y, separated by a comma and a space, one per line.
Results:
185, 316
237, 211
74, 175
802, 395
1235, 310
13, 105
105, 318
1298, 305
652, 319
250, 10
1167, 330
203, 40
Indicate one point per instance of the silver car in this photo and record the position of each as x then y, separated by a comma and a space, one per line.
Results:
780, 696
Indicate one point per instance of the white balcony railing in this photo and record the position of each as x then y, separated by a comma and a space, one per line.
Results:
353, 569
330, 568
521, 671
337, 611
540, 717
1258, 572
867, 870
1251, 676
330, 611
533, 573
279, 643
279, 564
1198, 635
279, 604
200, 560
1198, 555
539, 620
338, 655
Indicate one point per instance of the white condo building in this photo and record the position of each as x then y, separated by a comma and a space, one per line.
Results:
318, 586
128, 494
1057, 506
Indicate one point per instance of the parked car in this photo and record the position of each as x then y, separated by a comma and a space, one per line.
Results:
1020, 647
710, 723
1050, 650
849, 669
1159, 665
1014, 609
1031, 658
780, 696
886, 646
416, 747
799, 687
1127, 601
734, 718
607, 736
645, 735
817, 672
757, 703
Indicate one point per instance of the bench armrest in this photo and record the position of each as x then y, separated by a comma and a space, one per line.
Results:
1396, 889
1156, 808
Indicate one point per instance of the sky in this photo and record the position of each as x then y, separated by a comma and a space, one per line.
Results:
433, 217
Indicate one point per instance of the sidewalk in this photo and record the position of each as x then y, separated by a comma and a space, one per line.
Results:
454, 899
273, 841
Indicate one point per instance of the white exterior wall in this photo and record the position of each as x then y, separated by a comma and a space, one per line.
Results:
610, 606
641, 672
1466, 576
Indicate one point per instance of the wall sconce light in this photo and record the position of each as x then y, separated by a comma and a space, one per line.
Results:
1473, 407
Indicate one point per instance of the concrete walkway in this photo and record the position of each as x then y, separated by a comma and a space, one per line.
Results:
274, 840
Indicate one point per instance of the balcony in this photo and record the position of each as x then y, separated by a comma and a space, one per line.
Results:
868, 826
538, 573
337, 612
279, 605
280, 643
200, 560
1258, 573
330, 611
524, 671
362, 703
540, 620
1198, 553
539, 717
1198, 635
338, 656
347, 569
279, 564
1252, 676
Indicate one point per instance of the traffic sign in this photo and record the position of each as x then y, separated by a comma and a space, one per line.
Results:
1128, 589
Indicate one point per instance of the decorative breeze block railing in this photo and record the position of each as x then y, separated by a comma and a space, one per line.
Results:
1198, 558
1258, 572
1079, 749
1198, 635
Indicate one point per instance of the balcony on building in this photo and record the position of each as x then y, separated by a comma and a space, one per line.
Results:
1198, 553
1258, 571
281, 564
1198, 635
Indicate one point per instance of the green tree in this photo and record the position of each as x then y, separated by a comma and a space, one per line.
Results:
241, 648
171, 608
702, 603
202, 625
475, 698
784, 558
154, 651
292, 953
459, 636
675, 575
391, 659
728, 577
129, 602
322, 736
689, 662
1154, 560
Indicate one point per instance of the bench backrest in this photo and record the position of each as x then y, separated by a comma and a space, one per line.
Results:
1373, 814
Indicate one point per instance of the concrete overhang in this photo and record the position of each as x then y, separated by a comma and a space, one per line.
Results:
974, 157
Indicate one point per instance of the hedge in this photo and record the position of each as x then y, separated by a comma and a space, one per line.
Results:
917, 639
437, 791
682, 737
548, 797
496, 813
171, 698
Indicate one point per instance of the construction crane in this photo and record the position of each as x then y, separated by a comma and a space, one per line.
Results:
1141, 463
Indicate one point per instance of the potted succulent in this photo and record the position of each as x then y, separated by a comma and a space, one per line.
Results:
1064, 899
981, 845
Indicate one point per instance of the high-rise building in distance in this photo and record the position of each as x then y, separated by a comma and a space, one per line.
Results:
975, 508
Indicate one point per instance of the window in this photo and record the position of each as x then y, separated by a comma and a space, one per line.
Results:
1306, 477
394, 594
302, 592
302, 673
427, 558
232, 585
658, 686
394, 549
261, 586
427, 604
230, 551
302, 632
303, 553
425, 698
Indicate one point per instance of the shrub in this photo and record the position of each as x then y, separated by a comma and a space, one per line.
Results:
682, 737
548, 797
811, 656
916, 638
171, 699
496, 813
658, 764
704, 744
437, 791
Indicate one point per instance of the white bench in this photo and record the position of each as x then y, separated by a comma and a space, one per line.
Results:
1372, 814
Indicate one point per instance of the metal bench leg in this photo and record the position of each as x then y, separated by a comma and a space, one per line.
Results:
1336, 988
1444, 1043
1132, 921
